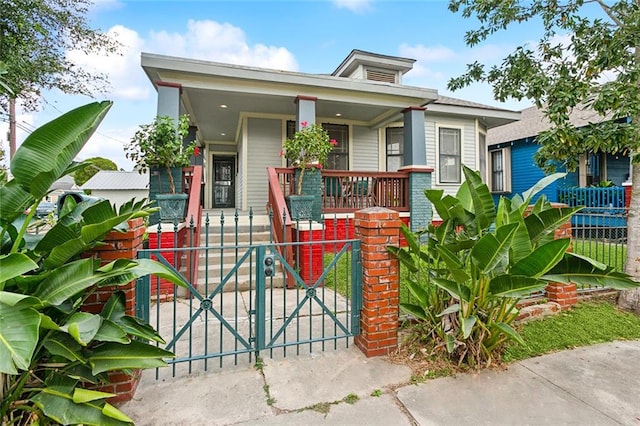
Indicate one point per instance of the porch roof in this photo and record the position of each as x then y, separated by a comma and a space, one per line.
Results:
206, 86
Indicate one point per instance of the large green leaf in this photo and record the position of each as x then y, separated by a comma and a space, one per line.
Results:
542, 259
539, 186
582, 272
47, 152
514, 285
116, 356
458, 291
15, 200
546, 222
455, 266
110, 332
492, 250
62, 344
415, 310
483, 205
418, 292
13, 265
509, 332
82, 326
66, 281
60, 407
467, 325
404, 257
19, 327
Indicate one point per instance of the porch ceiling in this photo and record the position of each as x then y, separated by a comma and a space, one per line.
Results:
218, 123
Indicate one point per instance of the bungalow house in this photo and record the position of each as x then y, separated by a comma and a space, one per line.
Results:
511, 150
241, 116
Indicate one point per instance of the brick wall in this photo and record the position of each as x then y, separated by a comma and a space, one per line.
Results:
118, 245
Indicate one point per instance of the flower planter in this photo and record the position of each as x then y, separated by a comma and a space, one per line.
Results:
172, 207
300, 206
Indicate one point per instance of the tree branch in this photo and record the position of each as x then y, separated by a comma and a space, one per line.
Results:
607, 10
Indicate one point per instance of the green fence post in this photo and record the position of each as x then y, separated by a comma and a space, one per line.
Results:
143, 292
261, 279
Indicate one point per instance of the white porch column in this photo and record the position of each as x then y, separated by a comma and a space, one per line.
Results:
305, 110
415, 149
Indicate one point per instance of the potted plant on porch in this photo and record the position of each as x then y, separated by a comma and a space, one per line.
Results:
159, 146
307, 151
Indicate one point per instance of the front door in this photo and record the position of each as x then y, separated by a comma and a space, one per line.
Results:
223, 181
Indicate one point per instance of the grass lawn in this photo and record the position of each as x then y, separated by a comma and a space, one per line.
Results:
587, 323
612, 253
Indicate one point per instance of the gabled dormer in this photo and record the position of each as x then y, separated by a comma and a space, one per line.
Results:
373, 66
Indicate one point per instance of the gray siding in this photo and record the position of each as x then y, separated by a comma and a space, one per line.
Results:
264, 145
365, 149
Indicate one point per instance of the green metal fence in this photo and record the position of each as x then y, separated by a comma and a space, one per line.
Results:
240, 308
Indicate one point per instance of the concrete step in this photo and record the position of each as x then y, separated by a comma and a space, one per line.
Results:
230, 238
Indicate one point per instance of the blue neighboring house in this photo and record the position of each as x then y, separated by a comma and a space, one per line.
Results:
511, 169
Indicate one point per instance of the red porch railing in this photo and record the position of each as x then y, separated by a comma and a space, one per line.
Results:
193, 186
348, 191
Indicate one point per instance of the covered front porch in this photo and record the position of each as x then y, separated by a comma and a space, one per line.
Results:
242, 115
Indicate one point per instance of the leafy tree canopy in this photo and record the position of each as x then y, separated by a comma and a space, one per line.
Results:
35, 36
94, 165
587, 57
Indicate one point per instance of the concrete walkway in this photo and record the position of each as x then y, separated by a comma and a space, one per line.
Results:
597, 385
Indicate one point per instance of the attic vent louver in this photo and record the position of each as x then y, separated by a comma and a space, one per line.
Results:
375, 75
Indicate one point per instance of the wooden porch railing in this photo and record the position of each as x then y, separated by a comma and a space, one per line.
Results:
612, 197
280, 183
348, 191
192, 178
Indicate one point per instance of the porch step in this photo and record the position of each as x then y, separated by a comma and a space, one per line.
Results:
220, 253
229, 238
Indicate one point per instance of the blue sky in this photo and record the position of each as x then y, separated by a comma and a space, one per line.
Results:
305, 36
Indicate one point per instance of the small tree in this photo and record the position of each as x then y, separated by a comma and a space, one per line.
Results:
93, 166
588, 56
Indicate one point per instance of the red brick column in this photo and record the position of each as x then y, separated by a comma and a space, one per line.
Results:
118, 245
566, 295
376, 228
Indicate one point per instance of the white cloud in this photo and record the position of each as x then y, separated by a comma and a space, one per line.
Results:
123, 71
213, 41
206, 40
357, 6
428, 53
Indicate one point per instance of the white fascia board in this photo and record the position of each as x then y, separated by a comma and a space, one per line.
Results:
473, 111
242, 78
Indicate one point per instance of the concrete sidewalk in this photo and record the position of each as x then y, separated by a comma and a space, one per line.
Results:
596, 385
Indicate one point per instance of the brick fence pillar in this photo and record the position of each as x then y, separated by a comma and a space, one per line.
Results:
118, 245
376, 228
566, 295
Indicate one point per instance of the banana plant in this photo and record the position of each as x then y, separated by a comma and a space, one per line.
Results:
51, 352
469, 274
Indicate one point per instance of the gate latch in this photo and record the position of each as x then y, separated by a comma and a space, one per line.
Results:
269, 262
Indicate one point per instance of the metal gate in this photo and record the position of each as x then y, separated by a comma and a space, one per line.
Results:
241, 308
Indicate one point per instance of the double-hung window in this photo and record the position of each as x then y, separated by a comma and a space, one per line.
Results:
500, 166
395, 142
449, 154
338, 158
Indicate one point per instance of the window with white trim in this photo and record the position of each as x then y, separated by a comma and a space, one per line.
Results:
338, 158
449, 154
395, 146
500, 166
